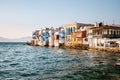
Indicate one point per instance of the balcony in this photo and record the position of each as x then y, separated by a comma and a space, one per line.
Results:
110, 36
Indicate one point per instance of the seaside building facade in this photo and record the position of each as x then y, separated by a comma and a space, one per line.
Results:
56, 39
69, 28
61, 36
76, 33
103, 36
45, 37
76, 38
98, 36
51, 37
36, 38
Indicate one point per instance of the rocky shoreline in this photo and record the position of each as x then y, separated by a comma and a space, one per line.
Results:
111, 50
79, 46
86, 47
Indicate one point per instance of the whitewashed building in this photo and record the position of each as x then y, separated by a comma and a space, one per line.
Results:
104, 36
61, 36
56, 39
51, 37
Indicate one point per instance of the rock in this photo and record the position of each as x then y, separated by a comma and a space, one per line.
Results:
117, 64
101, 62
118, 60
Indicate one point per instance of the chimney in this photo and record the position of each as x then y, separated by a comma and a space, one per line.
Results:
100, 24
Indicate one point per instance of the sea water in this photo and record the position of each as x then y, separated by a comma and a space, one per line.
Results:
19, 61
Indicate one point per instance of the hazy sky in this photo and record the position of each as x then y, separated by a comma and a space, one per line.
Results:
18, 18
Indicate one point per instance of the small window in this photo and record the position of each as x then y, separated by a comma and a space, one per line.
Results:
57, 36
86, 39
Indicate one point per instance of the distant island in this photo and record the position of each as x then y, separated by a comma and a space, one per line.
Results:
23, 39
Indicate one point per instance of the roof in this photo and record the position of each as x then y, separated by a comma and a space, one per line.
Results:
78, 24
105, 27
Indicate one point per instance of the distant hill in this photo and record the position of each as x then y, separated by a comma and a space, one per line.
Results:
23, 39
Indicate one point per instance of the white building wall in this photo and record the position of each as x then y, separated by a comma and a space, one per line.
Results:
51, 38
56, 41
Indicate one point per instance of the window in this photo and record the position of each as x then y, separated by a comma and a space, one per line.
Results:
74, 39
86, 39
114, 32
57, 37
108, 31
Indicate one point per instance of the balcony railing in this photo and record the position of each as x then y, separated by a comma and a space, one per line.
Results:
110, 36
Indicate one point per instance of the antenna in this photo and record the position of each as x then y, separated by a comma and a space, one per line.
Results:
113, 22
103, 22
106, 23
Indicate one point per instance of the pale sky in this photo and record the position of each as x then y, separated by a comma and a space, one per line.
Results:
19, 18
